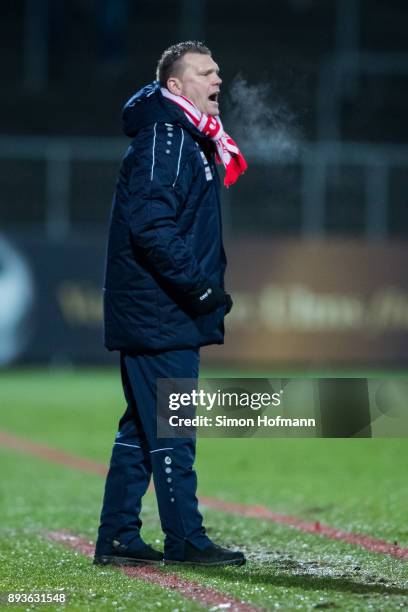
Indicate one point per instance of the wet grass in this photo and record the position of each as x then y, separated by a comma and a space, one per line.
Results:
352, 484
38, 497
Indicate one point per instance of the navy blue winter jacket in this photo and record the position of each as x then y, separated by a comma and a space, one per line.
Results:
165, 236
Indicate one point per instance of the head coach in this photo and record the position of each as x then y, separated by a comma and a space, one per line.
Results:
164, 298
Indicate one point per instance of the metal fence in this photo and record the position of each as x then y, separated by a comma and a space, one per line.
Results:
61, 185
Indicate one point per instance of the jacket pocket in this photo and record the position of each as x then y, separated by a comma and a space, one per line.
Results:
131, 313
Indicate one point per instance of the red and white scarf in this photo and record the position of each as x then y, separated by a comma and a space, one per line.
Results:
227, 151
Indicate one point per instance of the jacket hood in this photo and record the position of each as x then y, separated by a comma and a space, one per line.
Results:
148, 106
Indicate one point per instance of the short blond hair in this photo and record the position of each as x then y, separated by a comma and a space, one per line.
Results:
169, 63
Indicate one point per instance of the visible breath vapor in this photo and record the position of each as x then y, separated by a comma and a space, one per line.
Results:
262, 124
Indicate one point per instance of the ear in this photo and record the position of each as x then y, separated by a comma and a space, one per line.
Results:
174, 86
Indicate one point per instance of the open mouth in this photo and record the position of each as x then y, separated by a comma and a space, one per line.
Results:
213, 97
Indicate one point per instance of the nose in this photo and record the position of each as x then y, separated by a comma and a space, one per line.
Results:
218, 79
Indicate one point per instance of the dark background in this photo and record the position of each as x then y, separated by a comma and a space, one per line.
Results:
69, 66
314, 91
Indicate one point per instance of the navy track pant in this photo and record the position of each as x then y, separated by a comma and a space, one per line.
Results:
138, 453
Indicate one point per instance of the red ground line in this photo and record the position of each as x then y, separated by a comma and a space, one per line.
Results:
189, 589
260, 512
51, 454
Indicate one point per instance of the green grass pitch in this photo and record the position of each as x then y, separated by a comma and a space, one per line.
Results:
356, 485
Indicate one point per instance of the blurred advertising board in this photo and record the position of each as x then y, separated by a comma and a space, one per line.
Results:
296, 302
342, 302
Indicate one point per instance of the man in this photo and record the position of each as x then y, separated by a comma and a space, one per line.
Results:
164, 297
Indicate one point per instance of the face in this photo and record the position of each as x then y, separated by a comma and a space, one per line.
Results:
199, 81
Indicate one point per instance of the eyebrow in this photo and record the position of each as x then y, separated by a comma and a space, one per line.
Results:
210, 70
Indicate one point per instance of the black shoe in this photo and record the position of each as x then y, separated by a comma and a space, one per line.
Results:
124, 555
213, 555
